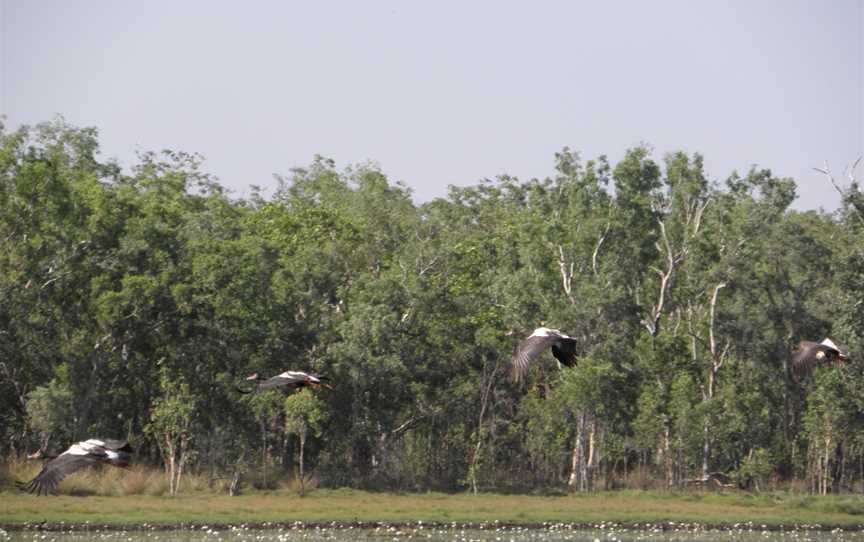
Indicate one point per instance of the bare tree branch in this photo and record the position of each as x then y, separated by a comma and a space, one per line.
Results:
827, 173
566, 275
712, 342
594, 265
849, 195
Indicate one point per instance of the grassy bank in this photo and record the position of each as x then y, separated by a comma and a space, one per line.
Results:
139, 495
349, 505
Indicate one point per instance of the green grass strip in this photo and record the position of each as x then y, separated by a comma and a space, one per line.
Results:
349, 506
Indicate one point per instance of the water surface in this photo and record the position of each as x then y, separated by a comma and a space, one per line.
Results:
559, 533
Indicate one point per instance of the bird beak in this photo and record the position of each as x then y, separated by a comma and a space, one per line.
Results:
322, 381
253, 376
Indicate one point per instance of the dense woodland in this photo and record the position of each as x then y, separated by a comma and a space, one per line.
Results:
133, 302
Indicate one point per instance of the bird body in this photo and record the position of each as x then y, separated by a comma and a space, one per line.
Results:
563, 348
808, 354
78, 455
288, 379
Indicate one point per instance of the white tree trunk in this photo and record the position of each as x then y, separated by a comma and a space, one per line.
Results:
302, 473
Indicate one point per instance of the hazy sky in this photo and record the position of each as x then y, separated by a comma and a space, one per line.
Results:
443, 92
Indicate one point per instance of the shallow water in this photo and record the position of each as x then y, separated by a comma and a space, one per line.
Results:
559, 533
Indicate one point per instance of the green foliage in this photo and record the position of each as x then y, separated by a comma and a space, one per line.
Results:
133, 303
51, 409
173, 411
755, 468
305, 413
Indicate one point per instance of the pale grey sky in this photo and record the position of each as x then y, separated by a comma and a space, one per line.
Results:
446, 92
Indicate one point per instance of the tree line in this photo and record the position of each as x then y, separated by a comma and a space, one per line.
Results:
134, 302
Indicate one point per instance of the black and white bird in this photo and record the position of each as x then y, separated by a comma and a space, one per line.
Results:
79, 455
809, 354
288, 379
563, 348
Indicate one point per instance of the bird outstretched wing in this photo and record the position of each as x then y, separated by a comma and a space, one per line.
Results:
527, 352
808, 355
54, 471
77, 456
288, 378
564, 350
293, 380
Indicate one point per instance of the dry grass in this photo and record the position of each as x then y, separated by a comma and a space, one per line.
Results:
107, 481
140, 494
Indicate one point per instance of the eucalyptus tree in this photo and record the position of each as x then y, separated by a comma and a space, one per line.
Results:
304, 413
137, 287
668, 206
50, 181
833, 423
140, 293
338, 236
51, 411
171, 425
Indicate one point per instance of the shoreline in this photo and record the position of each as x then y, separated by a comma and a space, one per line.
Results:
749, 527
354, 509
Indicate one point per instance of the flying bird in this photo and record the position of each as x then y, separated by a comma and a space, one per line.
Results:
288, 379
809, 354
80, 454
563, 348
